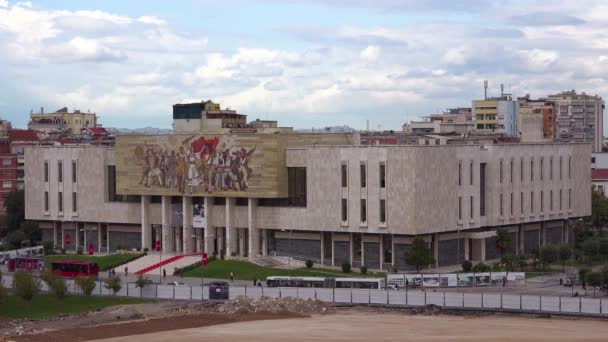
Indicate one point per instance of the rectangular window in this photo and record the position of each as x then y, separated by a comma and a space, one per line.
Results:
521, 203
7, 184
459, 173
471, 207
542, 201
531, 202
363, 210
363, 175
46, 201
560, 200
569, 198
296, 187
531, 170
7, 161
501, 210
500, 172
59, 171
551, 200
344, 173
382, 211
521, 170
542, 168
60, 201
511, 172
46, 172
344, 210
382, 175
551, 168
112, 183
74, 177
460, 208
482, 189
511, 206
74, 202
471, 173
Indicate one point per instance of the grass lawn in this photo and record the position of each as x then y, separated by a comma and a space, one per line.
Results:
244, 270
47, 305
105, 262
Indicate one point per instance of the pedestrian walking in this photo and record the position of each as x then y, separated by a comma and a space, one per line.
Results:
126, 271
504, 281
113, 273
255, 281
231, 276
164, 273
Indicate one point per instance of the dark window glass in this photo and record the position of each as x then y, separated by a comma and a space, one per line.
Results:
344, 210
363, 210
363, 175
382, 175
382, 211
344, 175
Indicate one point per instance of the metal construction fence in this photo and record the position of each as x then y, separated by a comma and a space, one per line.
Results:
412, 298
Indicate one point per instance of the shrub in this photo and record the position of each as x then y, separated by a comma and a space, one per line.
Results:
467, 266
55, 284
181, 270
522, 262
582, 273
594, 279
113, 284
496, 267
79, 251
309, 263
3, 293
363, 269
63, 251
549, 254
86, 284
346, 267
49, 247
25, 286
509, 261
141, 281
481, 267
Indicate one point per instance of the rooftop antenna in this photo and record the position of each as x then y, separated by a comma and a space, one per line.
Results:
485, 89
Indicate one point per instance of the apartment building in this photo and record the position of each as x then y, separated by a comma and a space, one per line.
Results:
579, 117
536, 120
496, 115
62, 121
323, 197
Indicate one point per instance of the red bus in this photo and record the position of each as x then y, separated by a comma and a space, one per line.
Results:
25, 263
74, 268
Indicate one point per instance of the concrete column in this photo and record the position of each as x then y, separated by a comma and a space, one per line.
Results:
54, 234
167, 232
108, 239
62, 235
177, 232
264, 241
436, 249
333, 262
322, 248
188, 242
85, 248
253, 231
483, 249
208, 231
352, 247
77, 237
230, 231
146, 228
465, 242
98, 237
393, 250
381, 251
362, 251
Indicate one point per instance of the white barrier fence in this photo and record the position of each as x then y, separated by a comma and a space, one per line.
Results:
411, 298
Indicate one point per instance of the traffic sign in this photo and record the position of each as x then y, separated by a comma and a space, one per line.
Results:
205, 259
67, 239
158, 245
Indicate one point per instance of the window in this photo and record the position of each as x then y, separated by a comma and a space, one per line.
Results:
382, 175
500, 172
241, 202
569, 198
296, 186
531, 202
344, 175
471, 208
46, 171
542, 201
531, 170
60, 201
219, 200
560, 200
344, 210
482, 189
382, 211
74, 177
471, 173
551, 200
551, 168
560, 167
46, 201
112, 183
542, 164
511, 171
363, 175
521, 170
363, 210
459, 173
59, 171
7, 184
459, 208
7, 161
501, 210
74, 202
511, 205
521, 203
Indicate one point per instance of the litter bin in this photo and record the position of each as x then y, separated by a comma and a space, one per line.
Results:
218, 290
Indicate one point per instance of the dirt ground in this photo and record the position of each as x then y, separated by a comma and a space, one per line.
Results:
363, 325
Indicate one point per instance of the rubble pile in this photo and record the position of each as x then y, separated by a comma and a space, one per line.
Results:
275, 305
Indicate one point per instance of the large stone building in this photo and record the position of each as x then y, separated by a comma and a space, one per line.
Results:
62, 121
324, 197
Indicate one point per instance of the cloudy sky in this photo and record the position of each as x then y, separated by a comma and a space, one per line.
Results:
306, 63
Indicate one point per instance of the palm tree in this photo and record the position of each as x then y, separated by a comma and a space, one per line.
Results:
503, 240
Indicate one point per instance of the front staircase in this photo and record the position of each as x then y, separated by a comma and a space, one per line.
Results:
153, 262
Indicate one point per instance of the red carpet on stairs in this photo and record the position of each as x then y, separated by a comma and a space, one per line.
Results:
160, 264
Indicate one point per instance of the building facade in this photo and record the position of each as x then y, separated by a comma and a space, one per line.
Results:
579, 117
62, 121
8, 177
321, 197
496, 115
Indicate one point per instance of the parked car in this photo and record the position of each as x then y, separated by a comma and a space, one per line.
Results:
176, 283
219, 290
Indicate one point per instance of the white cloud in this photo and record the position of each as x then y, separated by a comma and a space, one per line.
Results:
3, 3
152, 20
370, 53
541, 59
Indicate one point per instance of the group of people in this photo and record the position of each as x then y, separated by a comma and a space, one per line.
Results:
198, 165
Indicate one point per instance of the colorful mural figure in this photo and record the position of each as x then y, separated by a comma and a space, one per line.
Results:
198, 165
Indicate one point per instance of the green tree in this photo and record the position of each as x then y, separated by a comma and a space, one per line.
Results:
599, 209
503, 240
55, 284
25, 286
590, 248
603, 247
467, 266
15, 238
594, 279
522, 262
604, 272
86, 284
418, 254
141, 281
31, 231
114, 284
14, 212
346, 267
582, 273
548, 255
3, 290
565, 253
509, 261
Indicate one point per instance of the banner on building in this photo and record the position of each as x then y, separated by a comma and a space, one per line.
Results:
198, 216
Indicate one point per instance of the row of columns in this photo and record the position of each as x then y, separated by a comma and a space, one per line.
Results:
76, 238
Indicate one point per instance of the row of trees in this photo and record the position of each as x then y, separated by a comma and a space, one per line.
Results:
14, 228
